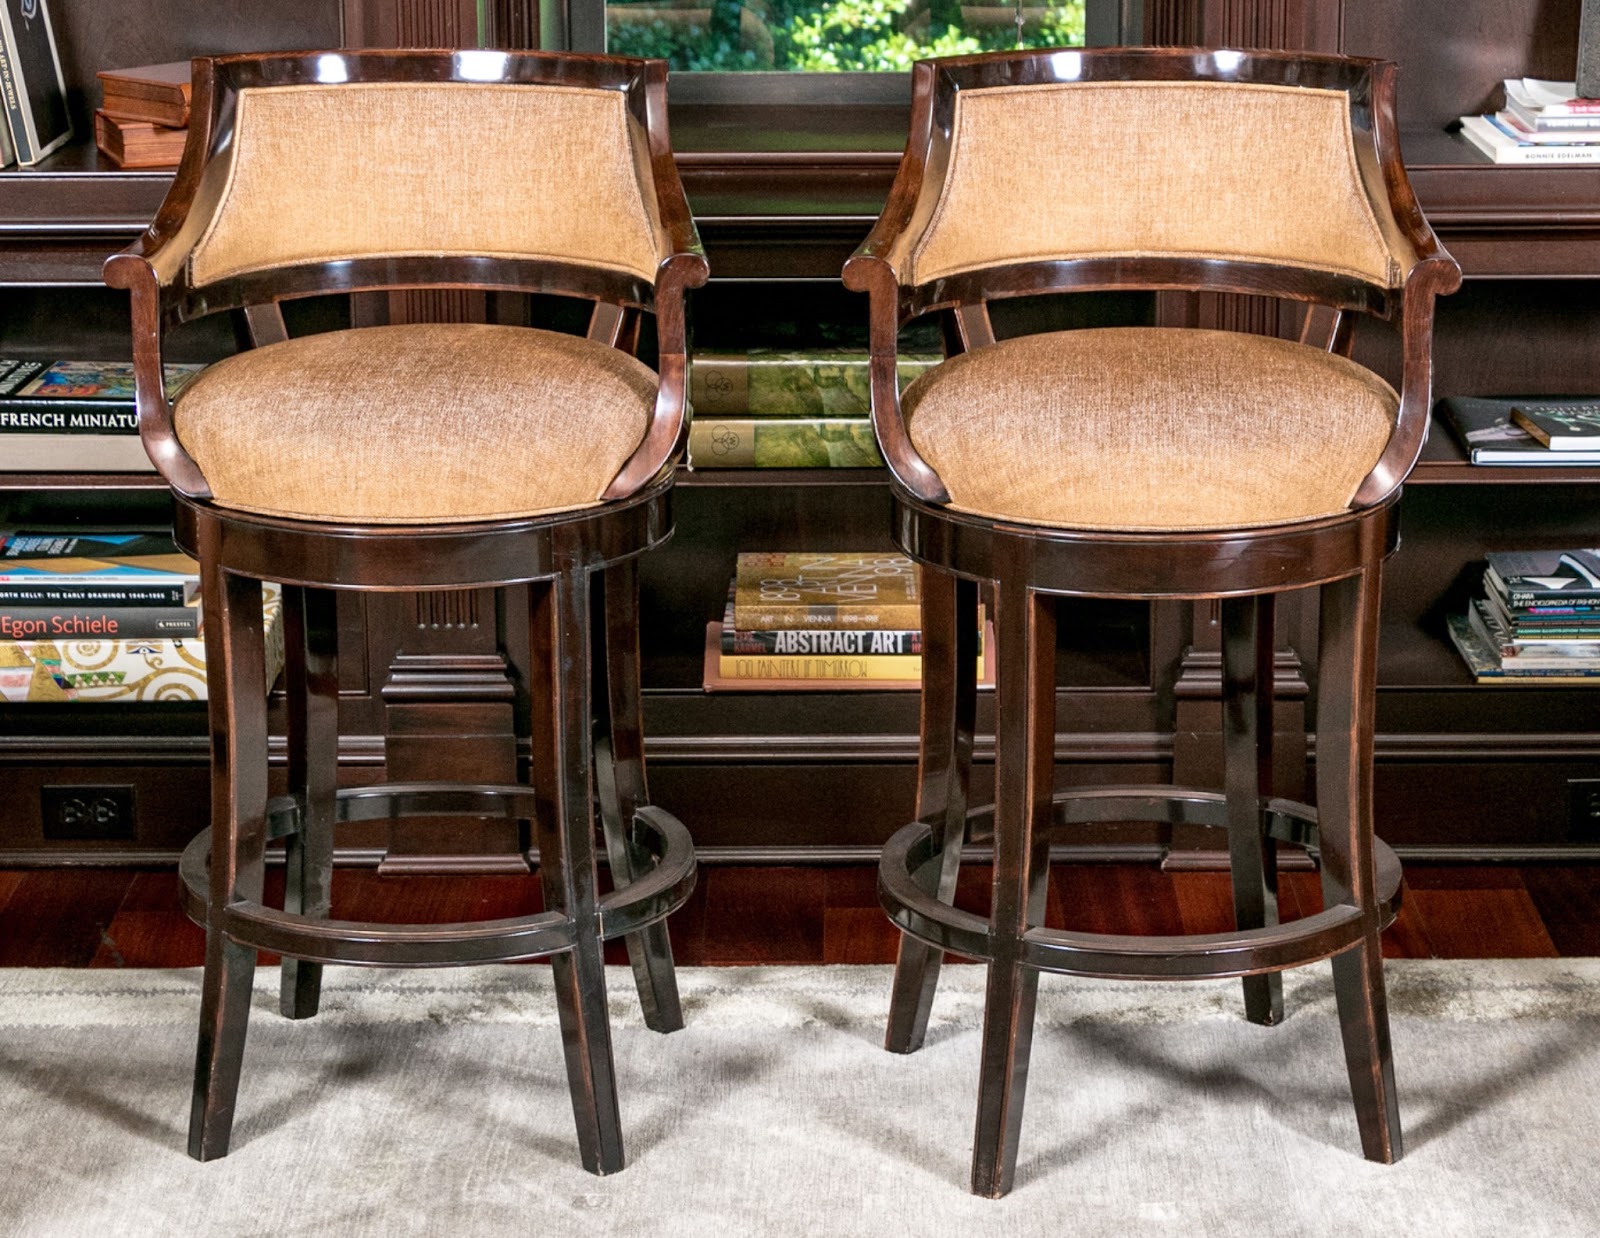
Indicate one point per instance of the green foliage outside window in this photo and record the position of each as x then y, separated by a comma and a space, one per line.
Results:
830, 35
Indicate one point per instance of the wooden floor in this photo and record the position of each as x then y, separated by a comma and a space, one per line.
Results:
130, 918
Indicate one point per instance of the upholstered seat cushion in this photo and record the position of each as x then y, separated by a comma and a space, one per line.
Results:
1150, 428
416, 424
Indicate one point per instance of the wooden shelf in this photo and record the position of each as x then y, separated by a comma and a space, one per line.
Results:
1444, 462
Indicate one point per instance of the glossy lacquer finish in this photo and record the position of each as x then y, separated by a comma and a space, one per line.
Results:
575, 625
1026, 568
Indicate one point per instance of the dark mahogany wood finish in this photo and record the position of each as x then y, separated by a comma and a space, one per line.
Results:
566, 569
1029, 567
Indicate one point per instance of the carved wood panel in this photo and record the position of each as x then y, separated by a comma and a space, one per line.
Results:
1301, 25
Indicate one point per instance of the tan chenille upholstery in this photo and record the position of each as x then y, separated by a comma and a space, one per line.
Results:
1149, 428
321, 173
1254, 173
421, 423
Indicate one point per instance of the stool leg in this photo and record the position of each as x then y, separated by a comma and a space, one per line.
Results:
238, 717
1346, 701
311, 680
1247, 669
1024, 765
620, 772
944, 777
560, 768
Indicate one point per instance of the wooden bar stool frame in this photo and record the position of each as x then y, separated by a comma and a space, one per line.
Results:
565, 582
1029, 566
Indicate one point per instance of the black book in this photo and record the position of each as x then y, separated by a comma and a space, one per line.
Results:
1486, 429
31, 83
76, 397
45, 568
1530, 577
60, 623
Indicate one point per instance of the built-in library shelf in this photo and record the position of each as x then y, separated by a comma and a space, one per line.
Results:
783, 195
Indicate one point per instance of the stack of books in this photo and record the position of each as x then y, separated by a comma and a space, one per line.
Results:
1544, 431
106, 617
1538, 620
1541, 122
851, 620
75, 416
764, 409
143, 118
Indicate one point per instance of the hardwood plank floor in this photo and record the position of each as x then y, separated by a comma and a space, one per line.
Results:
132, 918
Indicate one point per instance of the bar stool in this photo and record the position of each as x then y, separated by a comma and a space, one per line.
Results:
1147, 463
426, 457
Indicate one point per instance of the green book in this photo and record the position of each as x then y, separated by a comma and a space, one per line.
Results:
781, 384
782, 443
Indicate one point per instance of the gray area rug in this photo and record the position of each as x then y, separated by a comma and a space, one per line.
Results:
435, 1103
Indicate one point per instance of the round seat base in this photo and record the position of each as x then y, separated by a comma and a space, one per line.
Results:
911, 862
664, 888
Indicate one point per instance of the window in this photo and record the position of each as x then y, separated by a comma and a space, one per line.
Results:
830, 36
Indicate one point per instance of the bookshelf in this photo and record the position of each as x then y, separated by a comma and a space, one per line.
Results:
783, 194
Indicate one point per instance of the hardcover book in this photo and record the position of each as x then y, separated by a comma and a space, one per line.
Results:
787, 384
782, 443
32, 88
1527, 577
1502, 147
1561, 426
1486, 669
1485, 429
71, 622
75, 416
157, 94
137, 143
813, 642
849, 590
821, 672
98, 380
44, 568
54, 671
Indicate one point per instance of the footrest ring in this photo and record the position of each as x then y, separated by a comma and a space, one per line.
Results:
648, 899
910, 854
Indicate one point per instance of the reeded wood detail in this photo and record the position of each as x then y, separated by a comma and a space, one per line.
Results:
437, 23
454, 609
1277, 25
512, 24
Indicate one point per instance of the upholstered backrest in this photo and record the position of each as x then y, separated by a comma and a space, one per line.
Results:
318, 173
1241, 171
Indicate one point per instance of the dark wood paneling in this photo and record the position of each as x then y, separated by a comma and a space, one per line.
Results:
91, 37
1453, 54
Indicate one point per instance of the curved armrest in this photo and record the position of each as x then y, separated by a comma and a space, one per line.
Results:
676, 275
1436, 275
134, 270
876, 277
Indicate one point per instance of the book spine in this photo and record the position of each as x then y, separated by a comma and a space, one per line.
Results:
75, 453
890, 667
17, 119
29, 415
782, 442
1528, 599
822, 643
756, 616
801, 387
97, 622
53, 594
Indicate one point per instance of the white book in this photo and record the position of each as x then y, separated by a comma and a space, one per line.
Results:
1501, 147
73, 453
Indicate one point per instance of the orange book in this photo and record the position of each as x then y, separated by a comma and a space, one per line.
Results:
157, 94
137, 144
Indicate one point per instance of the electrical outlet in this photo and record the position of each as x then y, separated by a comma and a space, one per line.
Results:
1583, 813
87, 812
